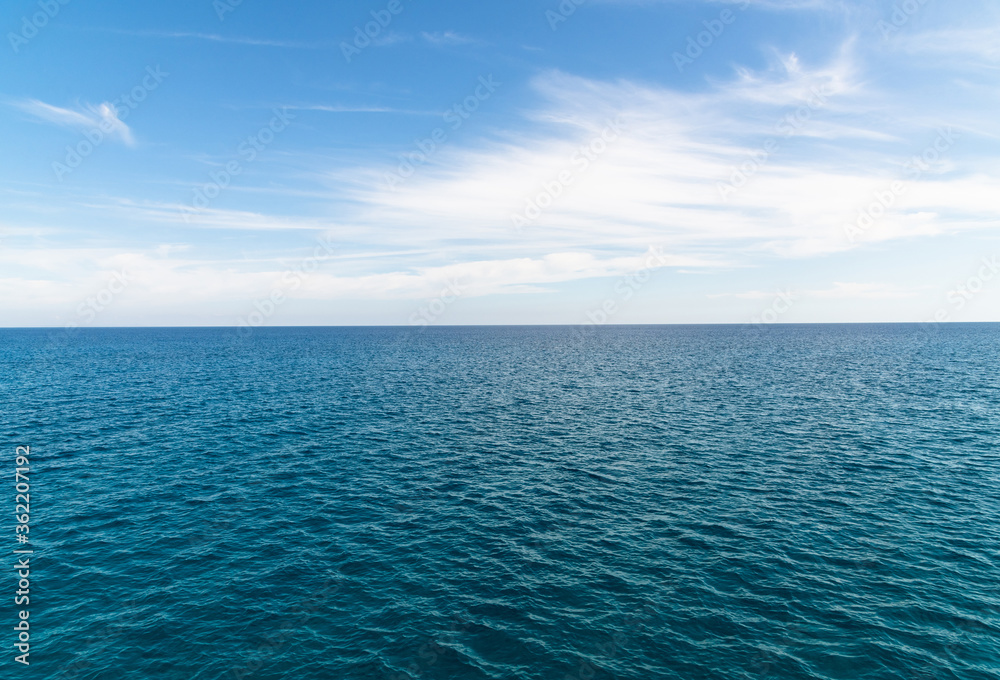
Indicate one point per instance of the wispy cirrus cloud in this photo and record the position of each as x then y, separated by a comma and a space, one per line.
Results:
828, 5
434, 39
959, 43
346, 108
840, 290
391, 38
447, 38
853, 290
163, 274
662, 177
217, 38
102, 116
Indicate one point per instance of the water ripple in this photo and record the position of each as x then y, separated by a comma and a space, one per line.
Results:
810, 502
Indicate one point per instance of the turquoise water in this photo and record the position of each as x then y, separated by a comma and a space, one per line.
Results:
551, 503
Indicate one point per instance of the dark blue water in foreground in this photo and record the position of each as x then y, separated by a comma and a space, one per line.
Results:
632, 502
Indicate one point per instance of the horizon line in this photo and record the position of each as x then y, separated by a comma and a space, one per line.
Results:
512, 325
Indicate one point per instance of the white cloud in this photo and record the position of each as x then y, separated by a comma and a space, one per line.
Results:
162, 278
448, 38
838, 291
391, 38
102, 117
340, 108
660, 180
215, 37
656, 182
961, 43
863, 291
207, 218
828, 5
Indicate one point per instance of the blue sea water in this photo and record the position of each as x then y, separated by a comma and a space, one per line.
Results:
508, 502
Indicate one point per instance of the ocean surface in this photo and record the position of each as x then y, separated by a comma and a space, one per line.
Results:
717, 502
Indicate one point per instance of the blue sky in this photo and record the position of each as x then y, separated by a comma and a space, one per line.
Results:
612, 161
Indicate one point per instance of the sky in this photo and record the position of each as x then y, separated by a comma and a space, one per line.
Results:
437, 162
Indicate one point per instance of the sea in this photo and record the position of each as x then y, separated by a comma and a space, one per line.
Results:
471, 503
